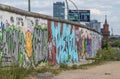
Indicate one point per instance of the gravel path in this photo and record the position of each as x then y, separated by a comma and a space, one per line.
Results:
110, 70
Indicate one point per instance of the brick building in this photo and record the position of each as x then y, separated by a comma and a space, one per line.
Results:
105, 30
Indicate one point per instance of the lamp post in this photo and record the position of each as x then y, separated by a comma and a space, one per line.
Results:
29, 6
68, 9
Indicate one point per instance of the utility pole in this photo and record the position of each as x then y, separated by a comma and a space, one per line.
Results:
67, 10
75, 7
29, 6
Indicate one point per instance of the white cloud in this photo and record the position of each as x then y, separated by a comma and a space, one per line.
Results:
41, 4
96, 12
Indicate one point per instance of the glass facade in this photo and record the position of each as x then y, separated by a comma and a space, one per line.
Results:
59, 10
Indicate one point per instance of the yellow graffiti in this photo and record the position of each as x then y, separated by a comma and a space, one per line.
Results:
83, 50
29, 43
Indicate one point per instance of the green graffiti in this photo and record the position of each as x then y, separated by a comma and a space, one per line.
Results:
0, 38
1, 54
20, 37
8, 30
20, 57
40, 28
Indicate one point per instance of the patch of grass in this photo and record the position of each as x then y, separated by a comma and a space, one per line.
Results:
15, 72
74, 66
43, 70
51, 64
64, 66
56, 71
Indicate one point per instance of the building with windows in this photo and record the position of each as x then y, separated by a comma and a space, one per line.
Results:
59, 10
94, 24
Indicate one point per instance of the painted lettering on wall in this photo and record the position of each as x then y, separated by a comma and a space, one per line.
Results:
63, 46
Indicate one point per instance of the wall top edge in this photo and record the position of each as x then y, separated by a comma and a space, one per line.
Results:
38, 15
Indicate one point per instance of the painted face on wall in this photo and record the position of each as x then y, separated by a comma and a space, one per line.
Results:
29, 43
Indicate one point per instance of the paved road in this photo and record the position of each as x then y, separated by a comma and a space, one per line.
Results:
110, 70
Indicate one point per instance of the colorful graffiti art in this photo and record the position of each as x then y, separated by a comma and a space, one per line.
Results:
83, 42
28, 40
64, 49
18, 41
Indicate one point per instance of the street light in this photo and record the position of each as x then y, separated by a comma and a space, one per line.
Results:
29, 7
68, 9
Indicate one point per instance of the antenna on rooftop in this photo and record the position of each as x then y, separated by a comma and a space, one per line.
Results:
112, 31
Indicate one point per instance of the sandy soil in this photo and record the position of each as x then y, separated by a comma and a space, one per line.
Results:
110, 70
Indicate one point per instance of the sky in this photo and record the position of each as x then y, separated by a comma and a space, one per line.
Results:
98, 9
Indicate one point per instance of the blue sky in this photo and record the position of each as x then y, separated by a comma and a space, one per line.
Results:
99, 8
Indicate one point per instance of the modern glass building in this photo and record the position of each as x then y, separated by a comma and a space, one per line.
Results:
94, 24
59, 10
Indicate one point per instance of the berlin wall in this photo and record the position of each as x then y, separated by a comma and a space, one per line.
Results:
29, 38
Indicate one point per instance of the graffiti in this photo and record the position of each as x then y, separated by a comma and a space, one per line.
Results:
40, 22
63, 44
78, 37
1, 39
1, 31
19, 21
69, 44
30, 22
18, 41
28, 43
12, 19
16, 46
11, 38
84, 42
1, 17
40, 45
50, 53
29, 40
1, 56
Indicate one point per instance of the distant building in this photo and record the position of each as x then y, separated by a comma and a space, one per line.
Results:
59, 10
117, 37
94, 24
105, 31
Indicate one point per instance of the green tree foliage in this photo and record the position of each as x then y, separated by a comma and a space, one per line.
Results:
116, 43
105, 44
109, 54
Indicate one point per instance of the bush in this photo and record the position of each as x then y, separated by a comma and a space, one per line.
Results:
110, 54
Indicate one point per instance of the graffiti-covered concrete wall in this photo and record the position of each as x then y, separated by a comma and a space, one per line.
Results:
30, 38
70, 43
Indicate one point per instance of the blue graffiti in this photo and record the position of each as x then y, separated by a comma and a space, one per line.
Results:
66, 49
1, 30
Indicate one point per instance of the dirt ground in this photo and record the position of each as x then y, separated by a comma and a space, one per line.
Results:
109, 70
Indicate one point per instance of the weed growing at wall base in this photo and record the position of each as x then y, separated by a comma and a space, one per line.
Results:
15, 72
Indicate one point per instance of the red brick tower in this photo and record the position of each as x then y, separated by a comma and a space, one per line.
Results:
106, 32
